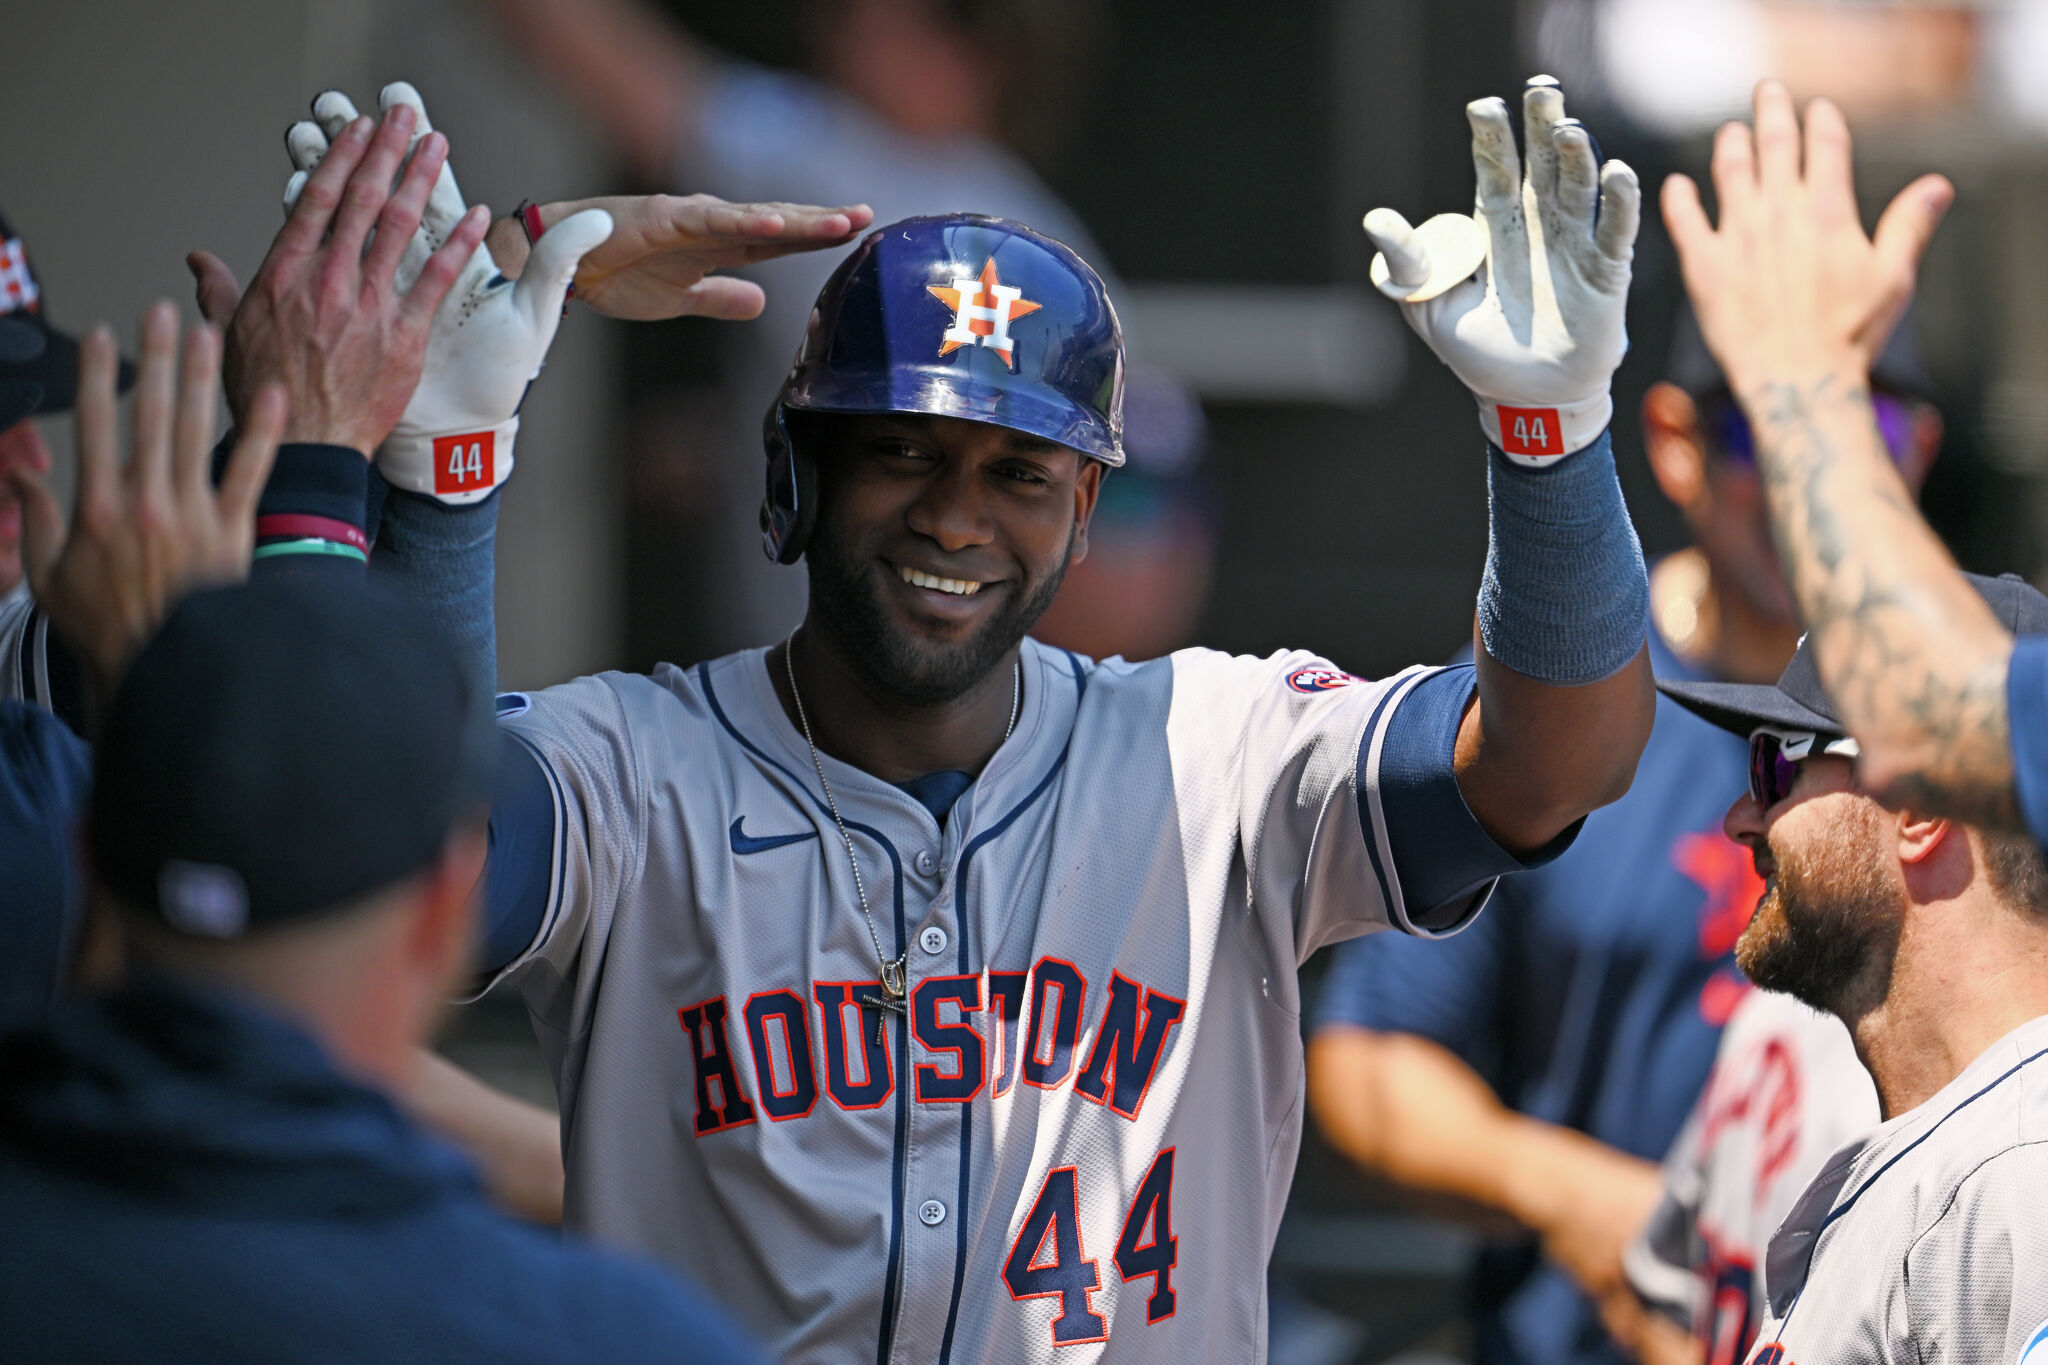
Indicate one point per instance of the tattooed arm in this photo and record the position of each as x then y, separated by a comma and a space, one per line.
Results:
1795, 301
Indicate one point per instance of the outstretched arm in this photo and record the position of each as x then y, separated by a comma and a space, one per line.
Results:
1524, 301
1795, 301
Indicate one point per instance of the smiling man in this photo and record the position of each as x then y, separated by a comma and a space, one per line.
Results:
1928, 939
930, 993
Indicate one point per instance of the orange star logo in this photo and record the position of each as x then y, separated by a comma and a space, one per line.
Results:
983, 310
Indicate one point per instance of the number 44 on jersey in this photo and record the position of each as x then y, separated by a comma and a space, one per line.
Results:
1048, 1260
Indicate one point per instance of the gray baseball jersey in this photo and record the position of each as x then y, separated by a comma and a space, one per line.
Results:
1925, 1242
1786, 1093
1079, 1147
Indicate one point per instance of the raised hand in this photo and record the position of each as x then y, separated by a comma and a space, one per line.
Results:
325, 315
143, 536
1789, 287
453, 440
1526, 306
659, 260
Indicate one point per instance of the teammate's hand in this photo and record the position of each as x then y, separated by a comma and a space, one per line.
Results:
659, 260
143, 536
326, 315
490, 335
1537, 329
1789, 288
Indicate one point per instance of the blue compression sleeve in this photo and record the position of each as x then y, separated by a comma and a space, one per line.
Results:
1442, 854
1565, 598
2026, 710
520, 872
443, 560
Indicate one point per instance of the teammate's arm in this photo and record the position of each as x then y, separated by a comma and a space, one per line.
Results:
516, 1145
1795, 302
1411, 1111
636, 74
1525, 301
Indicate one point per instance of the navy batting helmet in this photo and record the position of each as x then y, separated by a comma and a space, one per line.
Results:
957, 316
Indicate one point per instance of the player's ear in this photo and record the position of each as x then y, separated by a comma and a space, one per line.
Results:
1671, 438
1920, 835
1087, 488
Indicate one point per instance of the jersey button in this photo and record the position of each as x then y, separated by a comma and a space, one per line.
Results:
926, 862
932, 940
931, 1213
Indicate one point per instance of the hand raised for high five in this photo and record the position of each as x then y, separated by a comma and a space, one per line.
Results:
1788, 287
143, 536
325, 316
659, 260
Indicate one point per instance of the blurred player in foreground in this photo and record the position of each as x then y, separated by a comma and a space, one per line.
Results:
903, 978
1928, 939
1525, 1075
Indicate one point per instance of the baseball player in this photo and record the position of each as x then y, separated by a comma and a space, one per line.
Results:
1922, 1241
903, 978
1786, 1093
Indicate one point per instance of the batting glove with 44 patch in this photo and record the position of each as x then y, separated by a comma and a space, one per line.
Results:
1525, 299
490, 335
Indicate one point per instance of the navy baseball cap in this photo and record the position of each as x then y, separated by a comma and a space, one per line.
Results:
1797, 701
38, 363
280, 750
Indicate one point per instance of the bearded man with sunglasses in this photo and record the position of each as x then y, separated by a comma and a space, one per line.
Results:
1928, 939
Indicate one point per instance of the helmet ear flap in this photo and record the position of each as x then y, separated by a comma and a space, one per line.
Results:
789, 508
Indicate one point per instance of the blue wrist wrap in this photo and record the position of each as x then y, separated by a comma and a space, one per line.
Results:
1565, 598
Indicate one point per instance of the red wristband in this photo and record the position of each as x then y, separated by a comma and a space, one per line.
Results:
529, 218
299, 525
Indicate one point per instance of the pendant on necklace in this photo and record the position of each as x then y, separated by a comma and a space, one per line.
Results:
890, 1001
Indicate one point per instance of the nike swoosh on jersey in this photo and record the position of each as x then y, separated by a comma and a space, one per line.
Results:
745, 843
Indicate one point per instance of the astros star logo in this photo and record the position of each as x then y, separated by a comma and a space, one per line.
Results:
983, 310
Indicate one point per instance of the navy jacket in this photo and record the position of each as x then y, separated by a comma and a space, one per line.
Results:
187, 1178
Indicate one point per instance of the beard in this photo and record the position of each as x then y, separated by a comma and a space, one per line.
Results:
916, 672
1826, 930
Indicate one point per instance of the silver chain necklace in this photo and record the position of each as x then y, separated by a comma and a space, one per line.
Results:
892, 998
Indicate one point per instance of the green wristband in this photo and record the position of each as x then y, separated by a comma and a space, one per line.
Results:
312, 545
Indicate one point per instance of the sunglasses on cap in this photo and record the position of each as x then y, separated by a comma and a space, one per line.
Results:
1775, 756
1894, 424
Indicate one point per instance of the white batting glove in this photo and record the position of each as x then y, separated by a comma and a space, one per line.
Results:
490, 336
1525, 301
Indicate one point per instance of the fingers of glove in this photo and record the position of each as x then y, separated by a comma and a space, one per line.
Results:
305, 143
1910, 219
292, 189
248, 468
444, 206
1407, 257
192, 436
1830, 179
402, 92
442, 269
333, 111
545, 280
215, 287
1542, 110
398, 224
1497, 168
314, 202
370, 186
1577, 183
1777, 138
1621, 212
156, 393
723, 297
